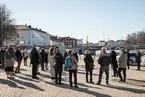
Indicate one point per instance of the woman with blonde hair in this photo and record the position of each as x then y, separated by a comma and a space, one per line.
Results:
9, 62
51, 63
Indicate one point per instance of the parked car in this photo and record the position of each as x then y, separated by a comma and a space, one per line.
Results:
132, 59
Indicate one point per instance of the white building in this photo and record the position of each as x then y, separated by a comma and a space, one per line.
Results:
115, 44
79, 42
28, 36
101, 43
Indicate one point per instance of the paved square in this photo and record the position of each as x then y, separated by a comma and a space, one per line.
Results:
24, 86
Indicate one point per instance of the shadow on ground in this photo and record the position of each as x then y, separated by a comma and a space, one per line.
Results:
28, 84
139, 91
80, 89
10, 83
135, 82
26, 78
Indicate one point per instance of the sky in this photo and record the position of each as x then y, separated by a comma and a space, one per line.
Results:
81, 18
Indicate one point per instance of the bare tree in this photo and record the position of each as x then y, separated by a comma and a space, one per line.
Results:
136, 38
7, 25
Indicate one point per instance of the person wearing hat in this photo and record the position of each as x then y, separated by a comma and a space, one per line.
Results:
104, 61
122, 65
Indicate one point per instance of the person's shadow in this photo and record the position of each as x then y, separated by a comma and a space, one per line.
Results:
139, 91
10, 83
27, 84
80, 89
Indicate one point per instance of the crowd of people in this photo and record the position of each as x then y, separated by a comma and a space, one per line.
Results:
54, 61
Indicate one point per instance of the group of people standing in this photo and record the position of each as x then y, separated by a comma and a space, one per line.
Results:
68, 60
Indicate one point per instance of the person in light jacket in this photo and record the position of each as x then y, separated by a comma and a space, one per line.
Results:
51, 63
122, 65
25, 56
73, 69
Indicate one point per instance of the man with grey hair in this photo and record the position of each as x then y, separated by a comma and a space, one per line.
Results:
122, 65
104, 61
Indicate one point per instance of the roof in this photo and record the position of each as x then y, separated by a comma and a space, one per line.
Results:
25, 27
22, 27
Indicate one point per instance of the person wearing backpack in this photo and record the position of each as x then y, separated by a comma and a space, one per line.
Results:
71, 64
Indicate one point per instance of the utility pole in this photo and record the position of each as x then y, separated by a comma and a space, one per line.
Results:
103, 36
87, 41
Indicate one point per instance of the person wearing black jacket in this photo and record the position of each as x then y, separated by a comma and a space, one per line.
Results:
89, 65
59, 61
2, 52
19, 57
114, 62
42, 53
65, 55
104, 61
46, 59
138, 59
35, 62
75, 54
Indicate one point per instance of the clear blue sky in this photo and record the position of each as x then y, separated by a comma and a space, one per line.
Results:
79, 18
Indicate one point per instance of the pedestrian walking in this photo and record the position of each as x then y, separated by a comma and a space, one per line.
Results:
72, 64
46, 59
122, 65
114, 62
42, 53
18, 55
89, 66
9, 61
51, 63
104, 61
138, 59
2, 52
35, 62
25, 57
58, 66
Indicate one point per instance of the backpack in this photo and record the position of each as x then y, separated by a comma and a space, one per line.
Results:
68, 62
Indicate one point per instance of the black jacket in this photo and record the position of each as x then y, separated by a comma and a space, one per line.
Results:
138, 57
104, 59
18, 55
42, 53
34, 57
113, 59
89, 62
46, 57
76, 56
59, 61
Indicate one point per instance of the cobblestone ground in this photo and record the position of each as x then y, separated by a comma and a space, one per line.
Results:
24, 86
